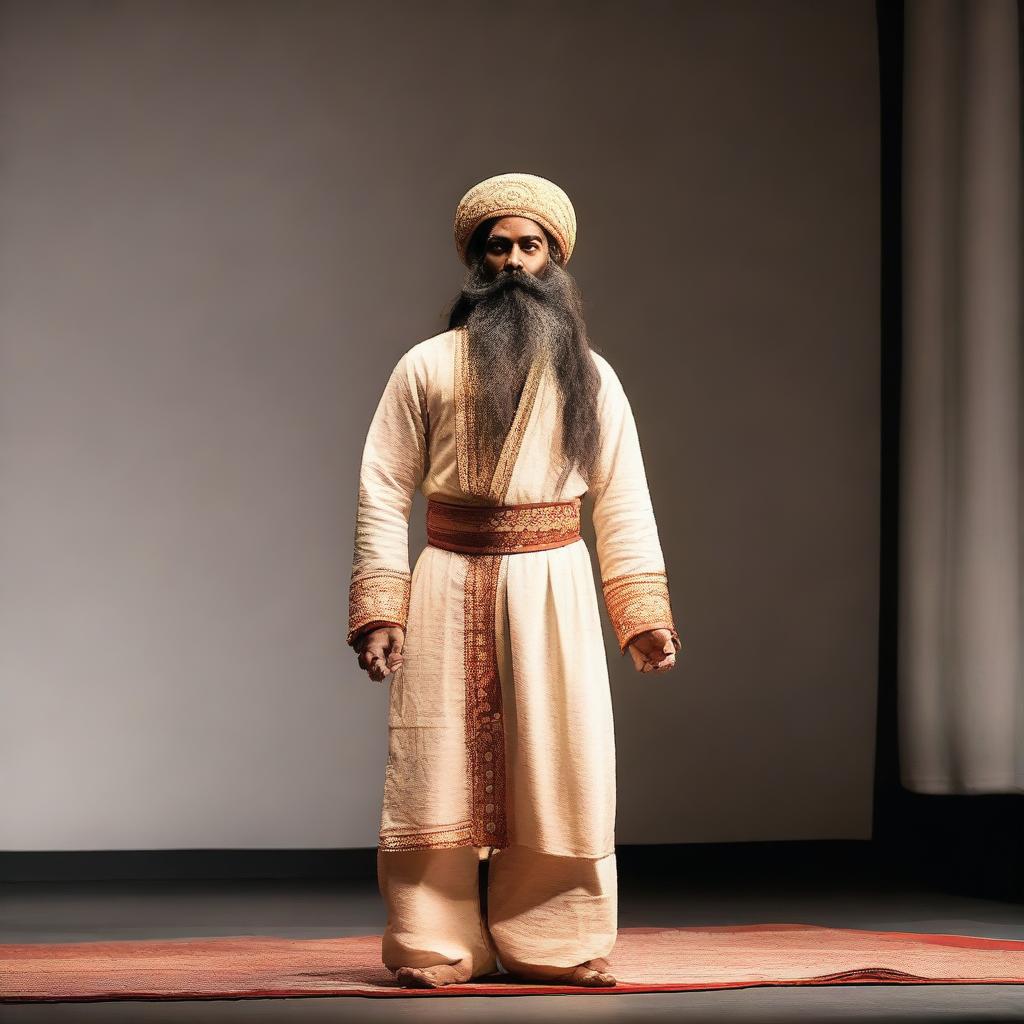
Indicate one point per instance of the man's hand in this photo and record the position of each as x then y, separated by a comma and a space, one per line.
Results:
381, 651
653, 651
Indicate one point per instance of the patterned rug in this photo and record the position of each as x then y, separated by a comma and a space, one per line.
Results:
644, 960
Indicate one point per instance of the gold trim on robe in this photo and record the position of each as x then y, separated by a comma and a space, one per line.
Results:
459, 834
637, 602
379, 597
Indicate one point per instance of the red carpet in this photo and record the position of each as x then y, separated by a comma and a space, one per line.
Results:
644, 960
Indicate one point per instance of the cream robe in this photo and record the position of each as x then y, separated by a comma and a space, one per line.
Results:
530, 619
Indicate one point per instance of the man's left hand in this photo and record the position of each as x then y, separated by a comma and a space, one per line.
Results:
653, 651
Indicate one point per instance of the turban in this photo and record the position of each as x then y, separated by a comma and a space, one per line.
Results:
516, 195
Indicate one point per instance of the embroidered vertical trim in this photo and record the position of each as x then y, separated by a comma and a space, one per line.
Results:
377, 596
502, 475
480, 476
464, 415
637, 602
485, 732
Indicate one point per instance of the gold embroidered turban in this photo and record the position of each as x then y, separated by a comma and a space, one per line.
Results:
516, 195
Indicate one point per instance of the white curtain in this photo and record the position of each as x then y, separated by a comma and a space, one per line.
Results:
961, 658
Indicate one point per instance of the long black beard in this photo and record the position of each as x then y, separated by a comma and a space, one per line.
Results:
513, 319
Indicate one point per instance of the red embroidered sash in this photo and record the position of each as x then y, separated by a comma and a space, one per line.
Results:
502, 529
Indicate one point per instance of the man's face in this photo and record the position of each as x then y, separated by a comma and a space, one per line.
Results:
515, 243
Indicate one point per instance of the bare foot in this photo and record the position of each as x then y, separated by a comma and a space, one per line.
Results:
433, 977
592, 973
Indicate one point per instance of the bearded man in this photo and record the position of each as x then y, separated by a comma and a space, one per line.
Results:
500, 734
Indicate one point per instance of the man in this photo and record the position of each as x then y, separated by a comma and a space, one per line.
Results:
500, 737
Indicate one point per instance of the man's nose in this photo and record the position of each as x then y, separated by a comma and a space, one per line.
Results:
514, 260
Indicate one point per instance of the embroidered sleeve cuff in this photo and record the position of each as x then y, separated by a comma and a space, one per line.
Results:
637, 602
378, 597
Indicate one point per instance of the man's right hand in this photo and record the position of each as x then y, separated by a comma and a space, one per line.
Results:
381, 651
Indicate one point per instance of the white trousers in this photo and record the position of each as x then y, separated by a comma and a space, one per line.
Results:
544, 913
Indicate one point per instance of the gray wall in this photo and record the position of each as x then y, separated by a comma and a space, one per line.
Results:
223, 223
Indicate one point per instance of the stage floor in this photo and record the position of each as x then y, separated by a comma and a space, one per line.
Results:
744, 893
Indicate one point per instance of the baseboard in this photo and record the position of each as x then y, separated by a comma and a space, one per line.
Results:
777, 857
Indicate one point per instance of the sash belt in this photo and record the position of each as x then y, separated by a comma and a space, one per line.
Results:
503, 529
